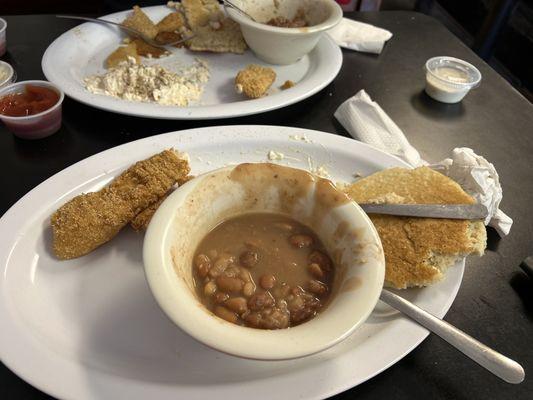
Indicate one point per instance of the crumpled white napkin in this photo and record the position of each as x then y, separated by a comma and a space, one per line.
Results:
359, 36
366, 121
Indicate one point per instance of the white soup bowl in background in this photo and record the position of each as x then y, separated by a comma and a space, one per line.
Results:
278, 45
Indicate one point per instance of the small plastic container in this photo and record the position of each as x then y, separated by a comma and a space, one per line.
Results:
38, 125
449, 79
3, 40
7, 74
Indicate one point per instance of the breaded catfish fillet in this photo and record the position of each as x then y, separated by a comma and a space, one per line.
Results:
92, 219
139, 21
141, 220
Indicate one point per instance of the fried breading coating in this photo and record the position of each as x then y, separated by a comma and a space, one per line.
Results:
254, 80
139, 21
287, 85
122, 54
201, 12
173, 22
92, 219
141, 220
223, 36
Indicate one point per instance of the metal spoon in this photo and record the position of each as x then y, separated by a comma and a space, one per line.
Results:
232, 5
505, 368
131, 31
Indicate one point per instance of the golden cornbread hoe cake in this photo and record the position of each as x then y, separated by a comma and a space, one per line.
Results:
418, 251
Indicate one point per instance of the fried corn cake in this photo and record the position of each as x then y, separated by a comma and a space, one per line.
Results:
418, 251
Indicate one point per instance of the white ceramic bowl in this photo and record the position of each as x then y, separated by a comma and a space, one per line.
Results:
188, 214
277, 45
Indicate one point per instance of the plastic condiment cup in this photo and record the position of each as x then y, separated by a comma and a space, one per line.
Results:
3, 41
449, 79
7, 70
38, 125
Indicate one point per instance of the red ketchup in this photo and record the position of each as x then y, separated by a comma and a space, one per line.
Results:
31, 109
34, 100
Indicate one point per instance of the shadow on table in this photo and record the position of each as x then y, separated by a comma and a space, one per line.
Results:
435, 109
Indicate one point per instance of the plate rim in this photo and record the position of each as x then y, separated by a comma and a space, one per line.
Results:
49, 388
229, 110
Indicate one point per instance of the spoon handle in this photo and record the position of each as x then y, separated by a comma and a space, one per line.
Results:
505, 368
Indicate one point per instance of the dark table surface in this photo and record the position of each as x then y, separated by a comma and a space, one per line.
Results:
495, 302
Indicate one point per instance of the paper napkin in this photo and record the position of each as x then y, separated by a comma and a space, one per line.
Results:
359, 36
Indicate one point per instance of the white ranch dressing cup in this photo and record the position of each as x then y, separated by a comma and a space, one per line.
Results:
449, 79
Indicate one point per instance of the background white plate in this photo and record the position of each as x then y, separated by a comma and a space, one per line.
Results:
81, 52
90, 329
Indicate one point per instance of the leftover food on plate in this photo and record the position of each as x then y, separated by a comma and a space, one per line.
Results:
146, 50
226, 37
254, 80
92, 219
287, 85
139, 21
33, 100
418, 251
298, 21
127, 53
263, 270
137, 82
202, 20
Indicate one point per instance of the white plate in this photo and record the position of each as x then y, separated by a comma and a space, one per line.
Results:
90, 329
81, 52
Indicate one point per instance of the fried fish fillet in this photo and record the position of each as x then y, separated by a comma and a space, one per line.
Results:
141, 220
173, 22
254, 80
139, 21
92, 219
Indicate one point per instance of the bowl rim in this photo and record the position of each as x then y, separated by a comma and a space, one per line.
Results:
6, 90
334, 18
190, 316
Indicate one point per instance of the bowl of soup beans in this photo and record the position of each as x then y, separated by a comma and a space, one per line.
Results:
264, 261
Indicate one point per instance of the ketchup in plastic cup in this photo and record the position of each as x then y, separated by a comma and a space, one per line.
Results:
31, 109
3, 41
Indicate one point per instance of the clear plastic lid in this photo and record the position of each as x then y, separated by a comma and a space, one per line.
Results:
453, 71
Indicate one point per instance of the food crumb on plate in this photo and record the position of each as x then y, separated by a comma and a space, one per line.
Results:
275, 155
302, 138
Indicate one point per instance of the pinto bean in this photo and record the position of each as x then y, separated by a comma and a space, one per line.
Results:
228, 284
226, 314
261, 300
237, 304
249, 258
267, 281
301, 241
